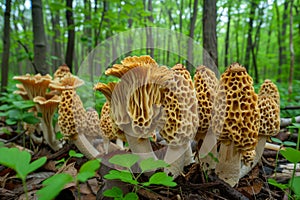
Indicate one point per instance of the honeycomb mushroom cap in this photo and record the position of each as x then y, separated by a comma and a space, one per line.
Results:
235, 115
109, 129
93, 123
268, 88
206, 84
269, 124
61, 72
35, 85
118, 70
180, 107
72, 115
181, 69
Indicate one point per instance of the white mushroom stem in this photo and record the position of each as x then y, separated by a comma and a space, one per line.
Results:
85, 147
140, 146
271, 146
177, 157
228, 168
49, 135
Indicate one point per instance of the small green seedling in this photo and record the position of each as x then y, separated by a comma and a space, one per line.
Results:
292, 155
127, 176
20, 162
54, 184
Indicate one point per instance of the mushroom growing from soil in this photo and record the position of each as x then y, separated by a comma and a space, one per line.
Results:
269, 124
72, 118
206, 84
181, 118
47, 107
235, 119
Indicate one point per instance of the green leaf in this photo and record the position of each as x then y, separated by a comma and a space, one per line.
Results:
15, 114
151, 164
20, 162
279, 185
131, 196
88, 170
53, 186
295, 186
161, 178
115, 192
73, 153
23, 104
10, 121
289, 143
5, 107
30, 118
276, 140
124, 160
124, 176
291, 154
295, 125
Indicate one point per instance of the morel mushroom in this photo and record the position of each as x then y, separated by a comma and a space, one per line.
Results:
235, 119
72, 118
206, 84
181, 118
47, 107
269, 124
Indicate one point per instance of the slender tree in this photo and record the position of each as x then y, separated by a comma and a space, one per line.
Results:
227, 36
6, 45
71, 34
191, 35
210, 45
39, 37
292, 53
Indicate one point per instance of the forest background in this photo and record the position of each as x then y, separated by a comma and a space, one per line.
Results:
264, 36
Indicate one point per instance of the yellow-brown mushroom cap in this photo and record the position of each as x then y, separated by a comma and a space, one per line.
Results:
136, 100
205, 84
235, 115
62, 71
66, 83
269, 124
22, 92
106, 89
118, 70
35, 85
180, 106
268, 88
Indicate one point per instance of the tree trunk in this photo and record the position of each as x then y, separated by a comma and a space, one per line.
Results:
191, 35
291, 50
71, 34
6, 45
227, 37
39, 37
56, 44
87, 19
249, 37
210, 45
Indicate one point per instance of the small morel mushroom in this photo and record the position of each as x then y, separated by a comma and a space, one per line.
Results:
235, 119
61, 72
269, 124
206, 84
72, 118
47, 107
181, 118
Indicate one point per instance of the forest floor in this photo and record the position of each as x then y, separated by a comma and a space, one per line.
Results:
192, 184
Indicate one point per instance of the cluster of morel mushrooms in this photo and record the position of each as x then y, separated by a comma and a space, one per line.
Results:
225, 117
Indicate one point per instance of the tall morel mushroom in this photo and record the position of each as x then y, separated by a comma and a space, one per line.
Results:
235, 119
72, 118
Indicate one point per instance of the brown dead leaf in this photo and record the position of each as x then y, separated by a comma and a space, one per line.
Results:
252, 188
50, 166
69, 169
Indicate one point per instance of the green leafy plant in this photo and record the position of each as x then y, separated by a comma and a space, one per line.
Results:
292, 155
127, 176
15, 110
20, 162
54, 184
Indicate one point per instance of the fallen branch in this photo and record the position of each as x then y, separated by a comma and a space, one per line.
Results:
288, 121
